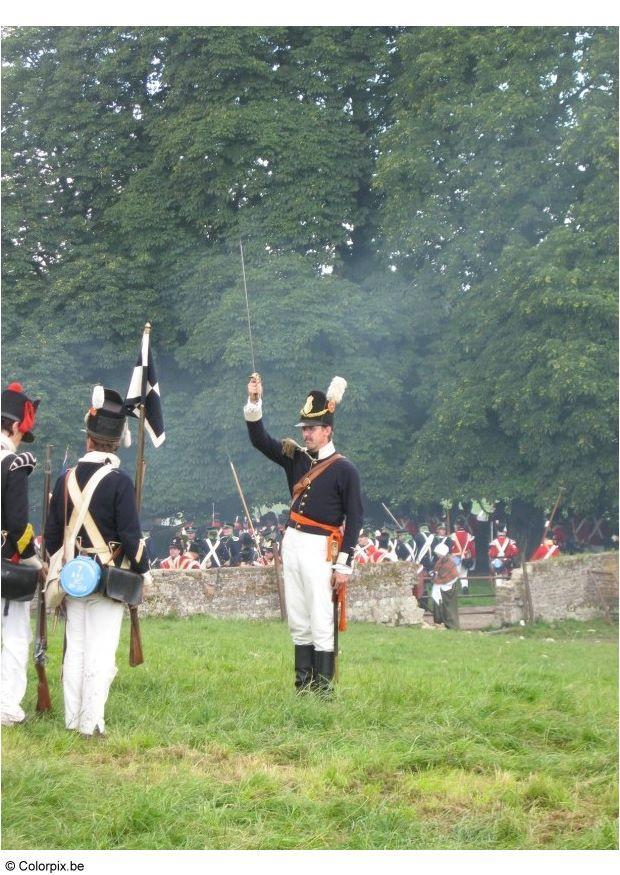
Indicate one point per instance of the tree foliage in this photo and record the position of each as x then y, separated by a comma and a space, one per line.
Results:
508, 228
429, 212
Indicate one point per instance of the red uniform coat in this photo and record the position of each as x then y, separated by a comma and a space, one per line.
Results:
170, 563
509, 551
462, 544
544, 552
368, 554
188, 563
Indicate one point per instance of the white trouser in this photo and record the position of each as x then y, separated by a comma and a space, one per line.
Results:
307, 589
89, 667
16, 637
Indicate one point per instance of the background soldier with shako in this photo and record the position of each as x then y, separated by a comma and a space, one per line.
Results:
172, 562
502, 553
326, 496
110, 534
18, 419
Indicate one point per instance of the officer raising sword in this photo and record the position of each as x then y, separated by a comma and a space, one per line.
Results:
326, 510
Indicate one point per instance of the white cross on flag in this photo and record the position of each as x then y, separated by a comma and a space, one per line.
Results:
144, 389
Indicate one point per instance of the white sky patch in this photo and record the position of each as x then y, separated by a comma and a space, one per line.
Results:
323, 12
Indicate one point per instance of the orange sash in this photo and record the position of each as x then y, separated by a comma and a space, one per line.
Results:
335, 532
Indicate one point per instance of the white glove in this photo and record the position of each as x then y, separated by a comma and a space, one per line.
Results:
253, 410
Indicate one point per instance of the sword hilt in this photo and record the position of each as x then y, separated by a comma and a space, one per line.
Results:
256, 376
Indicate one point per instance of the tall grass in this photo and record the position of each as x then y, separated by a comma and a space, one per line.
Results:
433, 740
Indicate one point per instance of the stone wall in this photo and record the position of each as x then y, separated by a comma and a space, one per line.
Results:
577, 587
510, 600
376, 594
571, 587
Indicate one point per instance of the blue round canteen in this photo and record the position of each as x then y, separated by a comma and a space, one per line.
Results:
80, 577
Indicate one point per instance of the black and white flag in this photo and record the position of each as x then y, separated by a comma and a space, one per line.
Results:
144, 389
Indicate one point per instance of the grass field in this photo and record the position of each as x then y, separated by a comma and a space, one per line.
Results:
435, 739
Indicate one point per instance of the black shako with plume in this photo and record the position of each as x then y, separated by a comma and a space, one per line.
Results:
144, 389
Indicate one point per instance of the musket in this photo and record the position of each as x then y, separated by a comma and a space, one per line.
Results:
555, 507
387, 510
277, 561
243, 502
549, 522
44, 702
254, 535
245, 507
334, 546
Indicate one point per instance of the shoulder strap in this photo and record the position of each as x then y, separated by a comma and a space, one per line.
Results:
465, 546
428, 540
312, 474
411, 550
81, 517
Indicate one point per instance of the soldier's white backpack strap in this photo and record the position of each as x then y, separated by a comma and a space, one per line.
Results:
411, 550
426, 549
501, 548
80, 515
211, 554
462, 548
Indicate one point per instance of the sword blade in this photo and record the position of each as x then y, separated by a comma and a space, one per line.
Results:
247, 307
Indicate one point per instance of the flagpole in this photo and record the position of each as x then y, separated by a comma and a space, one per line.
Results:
139, 479
135, 645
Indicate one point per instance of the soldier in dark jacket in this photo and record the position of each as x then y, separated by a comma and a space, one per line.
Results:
111, 532
18, 419
324, 511
229, 546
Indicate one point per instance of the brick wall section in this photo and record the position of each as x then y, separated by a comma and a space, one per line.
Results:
376, 594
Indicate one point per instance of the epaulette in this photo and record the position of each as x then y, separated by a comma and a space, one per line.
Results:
289, 447
23, 460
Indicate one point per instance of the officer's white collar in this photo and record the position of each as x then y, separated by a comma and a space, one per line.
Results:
7, 443
327, 450
101, 458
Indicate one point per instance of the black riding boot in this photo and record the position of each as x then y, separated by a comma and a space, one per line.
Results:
324, 671
304, 660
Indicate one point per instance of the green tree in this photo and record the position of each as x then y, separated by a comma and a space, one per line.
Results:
136, 158
500, 185
429, 212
